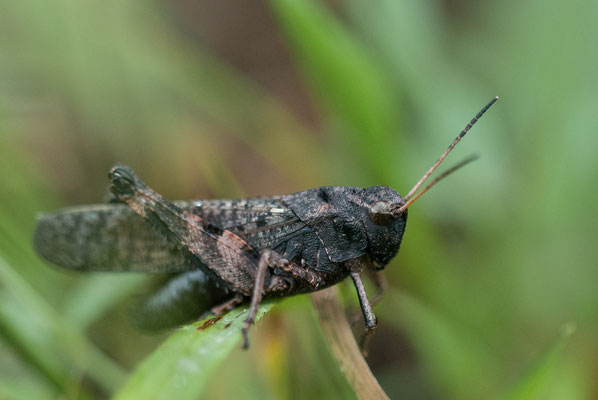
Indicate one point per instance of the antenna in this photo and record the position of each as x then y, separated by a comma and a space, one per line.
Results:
435, 181
443, 156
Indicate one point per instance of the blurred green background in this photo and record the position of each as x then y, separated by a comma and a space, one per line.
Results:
227, 99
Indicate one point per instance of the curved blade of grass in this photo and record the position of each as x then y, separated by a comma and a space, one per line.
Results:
344, 76
19, 380
48, 341
342, 342
181, 366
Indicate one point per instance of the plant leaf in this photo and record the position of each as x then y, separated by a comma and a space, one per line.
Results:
181, 366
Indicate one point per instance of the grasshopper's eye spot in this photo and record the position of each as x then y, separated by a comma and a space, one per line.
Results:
380, 213
380, 219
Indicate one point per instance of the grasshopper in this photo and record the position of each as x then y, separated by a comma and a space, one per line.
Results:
221, 253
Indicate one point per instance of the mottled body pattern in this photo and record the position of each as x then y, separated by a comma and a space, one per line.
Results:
313, 239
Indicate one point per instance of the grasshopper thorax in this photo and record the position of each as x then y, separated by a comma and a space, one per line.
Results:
352, 222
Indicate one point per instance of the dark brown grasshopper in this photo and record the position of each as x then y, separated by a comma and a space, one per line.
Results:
224, 252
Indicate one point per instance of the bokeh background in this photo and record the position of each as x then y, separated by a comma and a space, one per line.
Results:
227, 99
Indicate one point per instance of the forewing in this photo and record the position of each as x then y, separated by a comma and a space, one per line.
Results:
111, 237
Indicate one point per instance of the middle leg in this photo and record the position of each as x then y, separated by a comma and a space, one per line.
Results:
270, 258
381, 285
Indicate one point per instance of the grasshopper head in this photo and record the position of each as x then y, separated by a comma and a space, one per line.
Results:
384, 225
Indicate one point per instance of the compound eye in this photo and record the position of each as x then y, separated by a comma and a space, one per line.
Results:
380, 213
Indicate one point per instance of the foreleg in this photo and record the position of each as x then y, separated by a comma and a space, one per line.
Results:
356, 267
371, 322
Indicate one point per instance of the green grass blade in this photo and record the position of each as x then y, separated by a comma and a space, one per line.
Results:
182, 365
19, 381
95, 294
345, 77
50, 343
